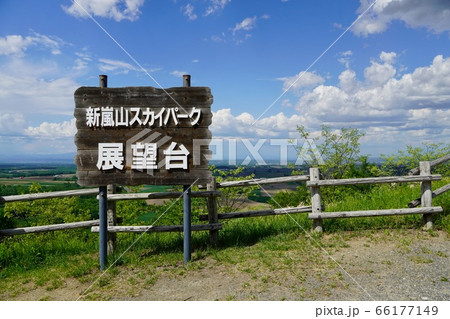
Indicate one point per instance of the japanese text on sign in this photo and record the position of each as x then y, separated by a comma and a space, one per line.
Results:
117, 117
144, 156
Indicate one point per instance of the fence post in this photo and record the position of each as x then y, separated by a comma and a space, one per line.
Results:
427, 195
314, 175
111, 189
212, 212
103, 225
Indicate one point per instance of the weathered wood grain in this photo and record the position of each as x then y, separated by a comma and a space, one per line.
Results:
158, 229
47, 228
95, 178
316, 199
382, 212
427, 197
47, 195
259, 213
262, 181
373, 180
143, 96
88, 138
134, 196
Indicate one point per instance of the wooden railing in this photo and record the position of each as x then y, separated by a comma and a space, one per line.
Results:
425, 178
316, 211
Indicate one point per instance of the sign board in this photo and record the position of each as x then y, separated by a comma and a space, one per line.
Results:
142, 135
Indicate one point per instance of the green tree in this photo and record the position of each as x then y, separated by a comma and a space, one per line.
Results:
337, 153
232, 198
405, 160
47, 211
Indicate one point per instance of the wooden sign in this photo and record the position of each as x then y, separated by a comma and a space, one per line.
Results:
142, 135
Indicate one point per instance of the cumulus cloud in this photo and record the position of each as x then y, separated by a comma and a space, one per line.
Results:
392, 110
52, 130
388, 108
225, 124
379, 73
17, 45
114, 9
433, 15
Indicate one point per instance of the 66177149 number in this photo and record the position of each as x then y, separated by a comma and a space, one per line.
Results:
406, 310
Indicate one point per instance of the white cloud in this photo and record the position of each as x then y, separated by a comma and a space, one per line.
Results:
52, 130
178, 73
390, 109
114, 9
29, 94
246, 24
348, 81
301, 80
188, 11
345, 58
378, 74
17, 45
225, 124
215, 6
431, 14
11, 123
388, 57
120, 67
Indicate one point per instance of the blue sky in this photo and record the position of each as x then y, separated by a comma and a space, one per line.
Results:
389, 75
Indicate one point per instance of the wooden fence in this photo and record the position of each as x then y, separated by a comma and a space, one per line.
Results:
212, 192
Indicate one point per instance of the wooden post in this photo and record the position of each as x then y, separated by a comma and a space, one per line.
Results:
111, 211
316, 200
427, 197
111, 216
103, 225
213, 218
187, 215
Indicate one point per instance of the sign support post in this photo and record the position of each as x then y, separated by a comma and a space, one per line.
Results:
103, 232
103, 207
142, 135
187, 204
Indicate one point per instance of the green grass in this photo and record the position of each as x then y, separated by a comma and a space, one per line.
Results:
386, 197
44, 260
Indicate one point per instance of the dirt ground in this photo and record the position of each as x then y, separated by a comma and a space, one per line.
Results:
413, 265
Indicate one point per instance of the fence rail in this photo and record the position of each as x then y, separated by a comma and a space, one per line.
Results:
259, 213
443, 159
47, 228
161, 195
373, 180
157, 229
48, 195
378, 212
437, 192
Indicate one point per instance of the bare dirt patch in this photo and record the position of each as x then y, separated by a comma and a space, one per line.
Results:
383, 265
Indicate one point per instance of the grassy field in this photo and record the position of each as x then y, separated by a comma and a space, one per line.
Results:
50, 261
